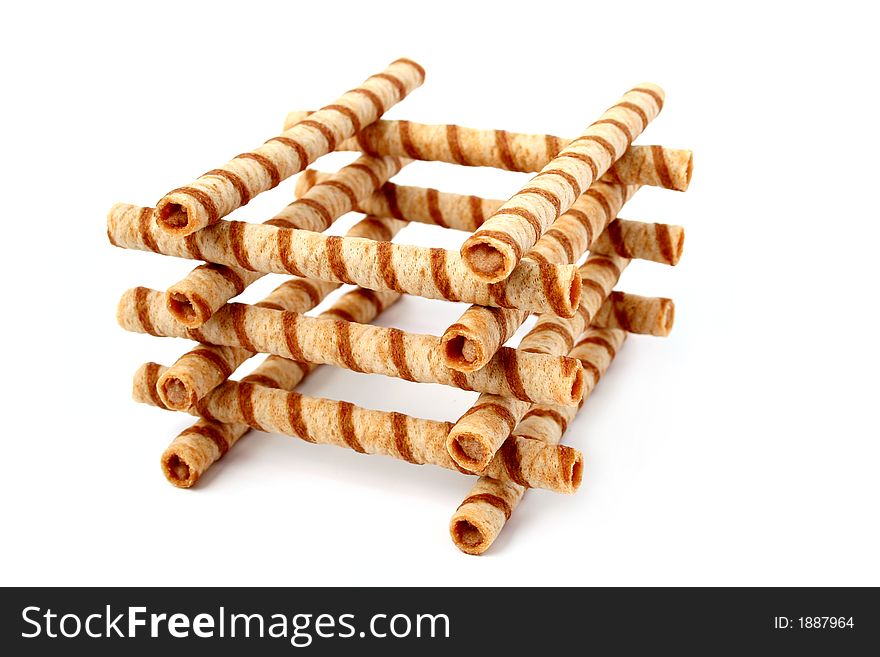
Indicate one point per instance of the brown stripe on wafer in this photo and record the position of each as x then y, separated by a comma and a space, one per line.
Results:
280, 222
306, 286
203, 199
592, 369
211, 434
526, 214
661, 167
397, 84
152, 381
262, 380
295, 417
347, 113
653, 94
341, 313
346, 423
503, 143
374, 179
499, 318
438, 273
547, 195
229, 274
203, 409
215, 359
557, 417
455, 144
553, 145
497, 409
593, 285
282, 243
384, 233
601, 200
510, 459
238, 313
389, 191
555, 295
235, 180
492, 500
401, 437
326, 133
555, 328
143, 310
459, 379
291, 338
336, 259
602, 342
620, 126
398, 353
191, 243
638, 110
620, 315
386, 266
510, 365
586, 159
477, 215
246, 404
603, 262
615, 236
301, 153
266, 163
431, 196
342, 187
663, 241
269, 305
373, 98
608, 148
145, 219
326, 217
407, 142
365, 145
236, 241
370, 297
415, 65
567, 177
343, 345
562, 239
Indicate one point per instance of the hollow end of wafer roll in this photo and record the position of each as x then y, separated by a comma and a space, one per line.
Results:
463, 352
678, 243
176, 468
187, 310
470, 535
575, 473
489, 259
688, 172
175, 393
175, 218
471, 451
666, 318
577, 386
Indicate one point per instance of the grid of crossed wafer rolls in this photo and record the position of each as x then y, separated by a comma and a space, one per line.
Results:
551, 254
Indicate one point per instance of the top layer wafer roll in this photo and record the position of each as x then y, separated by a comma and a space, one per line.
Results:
656, 166
493, 251
220, 191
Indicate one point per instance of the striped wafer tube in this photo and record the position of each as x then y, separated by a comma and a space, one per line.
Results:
515, 151
200, 370
631, 239
358, 347
324, 421
478, 433
482, 515
207, 287
426, 272
195, 449
634, 314
204, 202
472, 340
493, 251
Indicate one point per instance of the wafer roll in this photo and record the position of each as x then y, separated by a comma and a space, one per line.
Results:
198, 447
471, 341
220, 191
482, 515
633, 239
635, 314
358, 347
418, 441
493, 251
426, 272
194, 299
515, 151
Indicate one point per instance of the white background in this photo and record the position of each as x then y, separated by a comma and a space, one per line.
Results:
741, 450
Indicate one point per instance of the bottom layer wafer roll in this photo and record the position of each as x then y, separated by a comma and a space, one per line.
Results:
526, 462
485, 510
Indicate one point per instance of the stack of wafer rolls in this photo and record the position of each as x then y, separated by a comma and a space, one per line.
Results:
555, 249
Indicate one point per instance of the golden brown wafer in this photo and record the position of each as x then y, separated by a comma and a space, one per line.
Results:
633, 239
211, 197
195, 298
482, 515
426, 272
470, 342
358, 347
656, 166
635, 314
197, 448
528, 462
493, 251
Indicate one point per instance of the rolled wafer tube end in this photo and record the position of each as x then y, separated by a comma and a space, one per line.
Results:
489, 258
174, 391
470, 450
688, 172
472, 535
667, 317
188, 308
196, 449
463, 352
180, 214
176, 469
